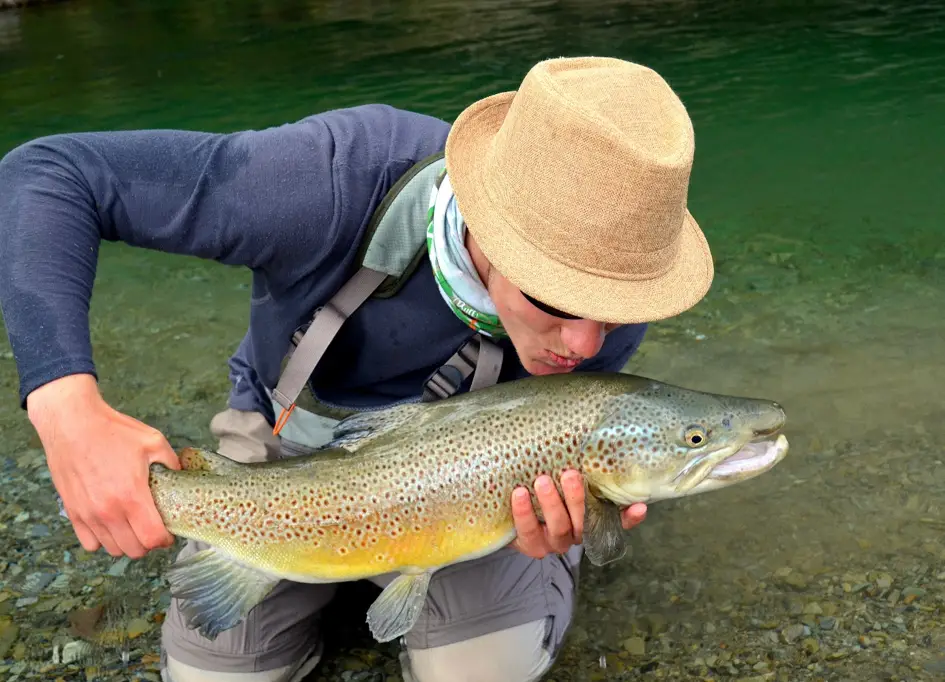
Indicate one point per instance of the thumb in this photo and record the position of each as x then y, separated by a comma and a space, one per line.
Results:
165, 456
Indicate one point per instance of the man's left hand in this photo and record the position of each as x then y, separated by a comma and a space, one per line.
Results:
563, 524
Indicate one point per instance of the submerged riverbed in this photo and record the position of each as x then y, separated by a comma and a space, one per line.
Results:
817, 180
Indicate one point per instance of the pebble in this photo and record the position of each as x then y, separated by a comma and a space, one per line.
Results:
811, 645
60, 584
118, 569
75, 650
813, 608
37, 582
9, 631
138, 627
793, 632
796, 581
635, 646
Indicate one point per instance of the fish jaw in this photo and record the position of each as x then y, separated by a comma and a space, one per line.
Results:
742, 459
755, 458
720, 471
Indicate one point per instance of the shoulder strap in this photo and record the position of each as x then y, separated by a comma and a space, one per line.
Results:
395, 239
385, 263
316, 339
477, 354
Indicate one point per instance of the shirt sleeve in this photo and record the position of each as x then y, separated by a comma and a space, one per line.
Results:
619, 346
261, 199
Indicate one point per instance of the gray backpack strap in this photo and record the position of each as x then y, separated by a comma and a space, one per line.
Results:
323, 329
393, 247
477, 354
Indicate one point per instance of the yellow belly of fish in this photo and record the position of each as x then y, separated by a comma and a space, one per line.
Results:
333, 553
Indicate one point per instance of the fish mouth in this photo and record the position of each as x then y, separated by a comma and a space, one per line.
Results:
755, 457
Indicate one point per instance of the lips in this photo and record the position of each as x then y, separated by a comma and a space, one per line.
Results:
561, 361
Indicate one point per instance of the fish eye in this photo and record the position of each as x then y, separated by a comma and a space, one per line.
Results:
695, 436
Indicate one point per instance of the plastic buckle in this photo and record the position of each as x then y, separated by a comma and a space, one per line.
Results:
443, 383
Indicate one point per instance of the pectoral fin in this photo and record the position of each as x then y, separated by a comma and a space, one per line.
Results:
603, 531
396, 609
216, 592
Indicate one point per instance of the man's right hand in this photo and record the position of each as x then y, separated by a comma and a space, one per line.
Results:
99, 459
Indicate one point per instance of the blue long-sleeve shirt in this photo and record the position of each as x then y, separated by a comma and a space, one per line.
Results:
290, 202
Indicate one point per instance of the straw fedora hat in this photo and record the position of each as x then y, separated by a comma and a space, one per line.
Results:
575, 188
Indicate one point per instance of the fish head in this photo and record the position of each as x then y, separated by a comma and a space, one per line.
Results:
659, 441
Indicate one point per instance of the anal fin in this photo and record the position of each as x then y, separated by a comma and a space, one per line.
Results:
604, 540
215, 591
396, 609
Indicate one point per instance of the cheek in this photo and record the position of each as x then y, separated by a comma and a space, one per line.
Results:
528, 328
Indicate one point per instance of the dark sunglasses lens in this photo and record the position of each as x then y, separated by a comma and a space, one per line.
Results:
548, 309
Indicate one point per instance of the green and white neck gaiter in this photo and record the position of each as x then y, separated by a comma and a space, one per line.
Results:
456, 276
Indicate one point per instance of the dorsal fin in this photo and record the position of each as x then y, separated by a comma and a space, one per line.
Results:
358, 429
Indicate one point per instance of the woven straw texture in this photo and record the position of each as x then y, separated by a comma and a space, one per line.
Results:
575, 188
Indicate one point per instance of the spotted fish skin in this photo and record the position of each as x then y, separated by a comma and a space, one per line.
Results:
433, 490
420, 486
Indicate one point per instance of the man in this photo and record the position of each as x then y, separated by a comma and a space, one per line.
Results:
554, 228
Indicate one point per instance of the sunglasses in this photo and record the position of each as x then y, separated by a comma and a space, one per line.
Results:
544, 307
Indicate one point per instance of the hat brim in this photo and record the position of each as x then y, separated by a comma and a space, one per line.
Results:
588, 295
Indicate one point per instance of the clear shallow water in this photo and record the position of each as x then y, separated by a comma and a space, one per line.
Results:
819, 181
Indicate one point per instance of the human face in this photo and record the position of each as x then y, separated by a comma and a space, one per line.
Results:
545, 343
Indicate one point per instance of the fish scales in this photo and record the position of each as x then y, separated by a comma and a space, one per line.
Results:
427, 498
413, 488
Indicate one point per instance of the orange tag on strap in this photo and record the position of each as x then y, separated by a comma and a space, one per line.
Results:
283, 418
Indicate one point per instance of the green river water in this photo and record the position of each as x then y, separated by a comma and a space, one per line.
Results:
820, 182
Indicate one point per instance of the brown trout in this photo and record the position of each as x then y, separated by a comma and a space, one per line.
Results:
416, 487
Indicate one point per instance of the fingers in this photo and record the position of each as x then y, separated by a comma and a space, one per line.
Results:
147, 522
145, 519
633, 515
107, 518
563, 519
558, 530
118, 538
99, 461
573, 485
159, 450
530, 538
85, 536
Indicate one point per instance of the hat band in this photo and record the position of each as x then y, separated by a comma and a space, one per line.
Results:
545, 308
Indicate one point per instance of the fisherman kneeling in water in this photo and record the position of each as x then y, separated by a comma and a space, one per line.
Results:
394, 258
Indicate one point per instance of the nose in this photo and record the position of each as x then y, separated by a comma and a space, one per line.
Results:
583, 337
